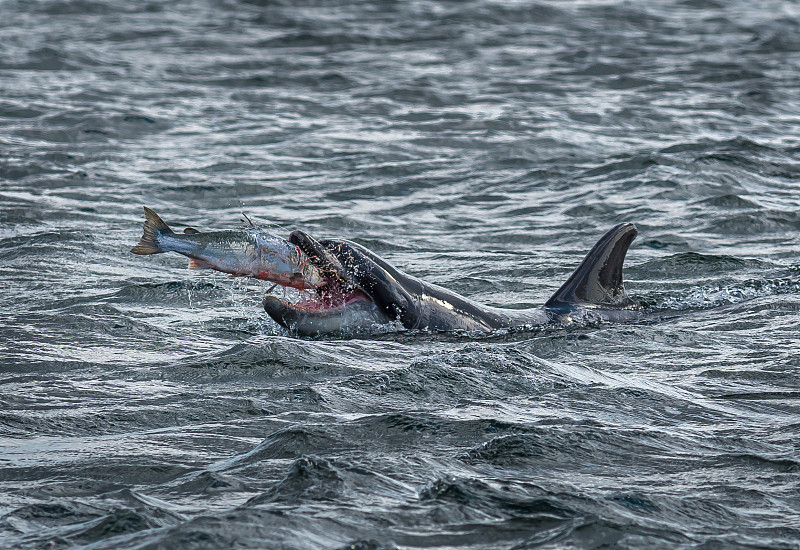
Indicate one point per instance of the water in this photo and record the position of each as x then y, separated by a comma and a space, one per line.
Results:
480, 145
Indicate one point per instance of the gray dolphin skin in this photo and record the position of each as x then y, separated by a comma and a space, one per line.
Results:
362, 290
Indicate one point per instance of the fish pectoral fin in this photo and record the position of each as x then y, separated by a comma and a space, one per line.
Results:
190, 231
194, 263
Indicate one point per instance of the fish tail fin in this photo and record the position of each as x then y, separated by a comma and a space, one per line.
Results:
598, 280
153, 227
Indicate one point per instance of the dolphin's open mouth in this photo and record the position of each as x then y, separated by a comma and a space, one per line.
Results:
327, 298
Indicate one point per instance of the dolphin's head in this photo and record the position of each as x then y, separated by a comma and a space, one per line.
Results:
341, 304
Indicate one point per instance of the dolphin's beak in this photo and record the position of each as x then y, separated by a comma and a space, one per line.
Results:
328, 265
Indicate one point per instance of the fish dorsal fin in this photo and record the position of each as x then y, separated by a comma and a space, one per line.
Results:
190, 231
598, 280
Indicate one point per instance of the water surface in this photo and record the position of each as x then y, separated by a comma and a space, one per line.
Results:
480, 145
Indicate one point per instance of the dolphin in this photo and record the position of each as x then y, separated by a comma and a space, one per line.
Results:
363, 290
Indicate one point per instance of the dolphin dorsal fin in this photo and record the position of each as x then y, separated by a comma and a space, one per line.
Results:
598, 280
190, 231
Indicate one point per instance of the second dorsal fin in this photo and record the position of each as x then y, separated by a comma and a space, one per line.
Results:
598, 280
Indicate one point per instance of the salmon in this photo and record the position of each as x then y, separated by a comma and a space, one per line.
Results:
251, 252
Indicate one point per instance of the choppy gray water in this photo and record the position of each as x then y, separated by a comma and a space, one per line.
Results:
481, 145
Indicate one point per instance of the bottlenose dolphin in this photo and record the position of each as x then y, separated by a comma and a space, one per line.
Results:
363, 290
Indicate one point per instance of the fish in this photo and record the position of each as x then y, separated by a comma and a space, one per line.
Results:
251, 252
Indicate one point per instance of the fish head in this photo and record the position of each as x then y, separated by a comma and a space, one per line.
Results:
279, 261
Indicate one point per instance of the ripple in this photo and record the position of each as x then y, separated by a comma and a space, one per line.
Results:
484, 146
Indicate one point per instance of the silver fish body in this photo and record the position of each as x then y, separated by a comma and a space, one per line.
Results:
248, 252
